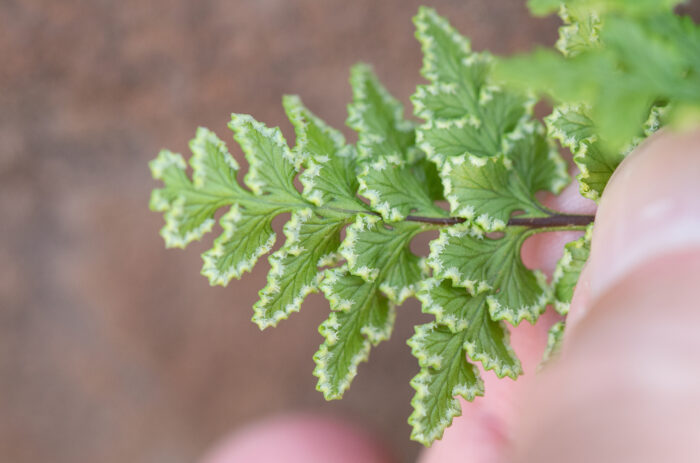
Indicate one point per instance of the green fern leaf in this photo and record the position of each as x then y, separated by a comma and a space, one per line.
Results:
573, 128
313, 233
381, 252
445, 373
580, 32
393, 176
555, 337
396, 189
247, 232
479, 263
571, 125
272, 164
486, 191
569, 269
313, 236
383, 272
312, 242
361, 317
465, 113
247, 235
189, 206
543, 7
646, 55
378, 118
486, 341
329, 178
479, 149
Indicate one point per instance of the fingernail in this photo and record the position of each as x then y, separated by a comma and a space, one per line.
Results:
650, 207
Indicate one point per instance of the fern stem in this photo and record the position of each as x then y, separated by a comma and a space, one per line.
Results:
556, 220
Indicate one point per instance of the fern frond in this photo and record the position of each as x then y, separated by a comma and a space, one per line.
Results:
626, 68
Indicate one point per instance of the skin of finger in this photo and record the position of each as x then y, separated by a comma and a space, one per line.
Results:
625, 388
628, 386
483, 430
649, 207
299, 438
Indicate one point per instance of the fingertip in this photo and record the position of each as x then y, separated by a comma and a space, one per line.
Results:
299, 438
627, 386
649, 208
475, 437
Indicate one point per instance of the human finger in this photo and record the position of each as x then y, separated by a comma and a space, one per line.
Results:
299, 438
627, 386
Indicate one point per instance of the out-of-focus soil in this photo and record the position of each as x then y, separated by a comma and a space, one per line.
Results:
113, 349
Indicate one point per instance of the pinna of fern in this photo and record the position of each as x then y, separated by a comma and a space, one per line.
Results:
478, 149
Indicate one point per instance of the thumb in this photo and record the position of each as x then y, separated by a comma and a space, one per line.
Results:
627, 386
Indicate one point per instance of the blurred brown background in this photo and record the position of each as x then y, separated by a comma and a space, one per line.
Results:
113, 349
